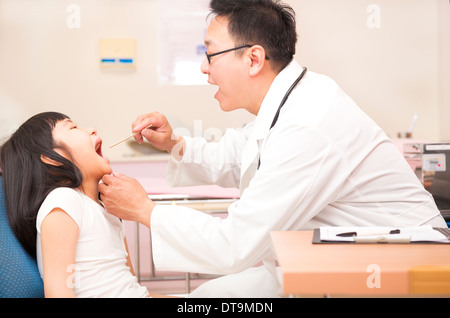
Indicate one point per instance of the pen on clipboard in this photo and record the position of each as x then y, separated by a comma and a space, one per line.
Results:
351, 234
126, 138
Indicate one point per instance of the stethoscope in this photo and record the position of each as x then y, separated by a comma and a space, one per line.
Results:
285, 98
283, 101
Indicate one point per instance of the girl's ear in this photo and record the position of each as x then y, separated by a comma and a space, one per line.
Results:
49, 161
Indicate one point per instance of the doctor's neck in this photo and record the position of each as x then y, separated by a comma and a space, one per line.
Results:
259, 86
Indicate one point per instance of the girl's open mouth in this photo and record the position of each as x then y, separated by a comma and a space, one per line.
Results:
98, 147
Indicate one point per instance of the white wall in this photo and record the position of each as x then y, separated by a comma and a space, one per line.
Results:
392, 72
444, 68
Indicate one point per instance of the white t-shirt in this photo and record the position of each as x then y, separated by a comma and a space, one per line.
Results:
100, 261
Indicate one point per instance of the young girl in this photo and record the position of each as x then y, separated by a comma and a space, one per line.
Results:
51, 170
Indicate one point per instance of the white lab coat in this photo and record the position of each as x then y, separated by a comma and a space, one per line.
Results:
325, 163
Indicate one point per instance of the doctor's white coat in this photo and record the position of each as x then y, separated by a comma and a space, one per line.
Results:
325, 163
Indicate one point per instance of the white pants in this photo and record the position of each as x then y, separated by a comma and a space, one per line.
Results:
255, 282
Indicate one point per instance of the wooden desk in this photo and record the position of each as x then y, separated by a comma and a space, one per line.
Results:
357, 269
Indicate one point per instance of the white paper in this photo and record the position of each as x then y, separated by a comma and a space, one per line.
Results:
424, 233
182, 26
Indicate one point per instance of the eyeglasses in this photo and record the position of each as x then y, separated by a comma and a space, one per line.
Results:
208, 56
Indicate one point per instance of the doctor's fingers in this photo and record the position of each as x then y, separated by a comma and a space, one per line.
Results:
157, 120
105, 187
162, 140
104, 191
111, 182
109, 179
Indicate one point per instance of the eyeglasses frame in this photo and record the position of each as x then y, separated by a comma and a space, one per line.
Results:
208, 56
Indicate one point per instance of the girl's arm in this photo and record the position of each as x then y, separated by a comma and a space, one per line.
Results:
59, 235
129, 264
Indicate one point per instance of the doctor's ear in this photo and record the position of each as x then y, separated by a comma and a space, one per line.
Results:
49, 161
257, 56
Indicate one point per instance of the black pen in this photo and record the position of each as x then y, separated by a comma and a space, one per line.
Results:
350, 234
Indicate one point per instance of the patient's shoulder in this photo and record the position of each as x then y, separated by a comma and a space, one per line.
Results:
64, 193
68, 199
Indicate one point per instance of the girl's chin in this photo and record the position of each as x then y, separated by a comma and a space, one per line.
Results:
108, 170
105, 170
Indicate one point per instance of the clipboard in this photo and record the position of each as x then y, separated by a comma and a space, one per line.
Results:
316, 239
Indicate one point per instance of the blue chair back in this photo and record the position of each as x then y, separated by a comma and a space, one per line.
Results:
19, 274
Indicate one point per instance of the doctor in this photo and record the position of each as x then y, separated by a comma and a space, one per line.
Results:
310, 158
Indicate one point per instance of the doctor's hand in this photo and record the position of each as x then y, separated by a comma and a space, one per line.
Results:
160, 134
125, 198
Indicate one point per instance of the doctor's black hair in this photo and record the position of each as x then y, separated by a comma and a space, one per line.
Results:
27, 180
269, 23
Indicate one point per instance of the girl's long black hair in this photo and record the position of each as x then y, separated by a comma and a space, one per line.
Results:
27, 179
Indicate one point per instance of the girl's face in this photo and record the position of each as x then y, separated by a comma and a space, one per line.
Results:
85, 148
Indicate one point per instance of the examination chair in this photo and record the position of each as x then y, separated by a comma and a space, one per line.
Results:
19, 275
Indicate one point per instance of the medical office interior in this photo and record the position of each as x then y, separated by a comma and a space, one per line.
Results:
105, 62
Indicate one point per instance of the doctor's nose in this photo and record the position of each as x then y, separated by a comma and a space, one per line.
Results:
204, 67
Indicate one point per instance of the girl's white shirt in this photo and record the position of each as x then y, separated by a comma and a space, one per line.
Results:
100, 268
